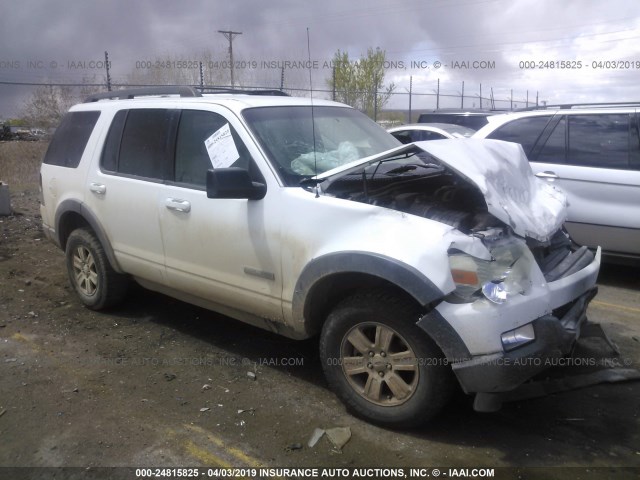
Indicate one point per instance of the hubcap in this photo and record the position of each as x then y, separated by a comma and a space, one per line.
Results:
379, 364
84, 270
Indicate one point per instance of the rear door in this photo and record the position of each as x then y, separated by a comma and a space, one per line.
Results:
126, 190
595, 159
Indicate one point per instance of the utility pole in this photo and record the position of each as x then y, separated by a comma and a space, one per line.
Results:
106, 64
229, 35
375, 99
410, 94
333, 93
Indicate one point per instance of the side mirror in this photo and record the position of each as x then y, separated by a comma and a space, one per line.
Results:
233, 183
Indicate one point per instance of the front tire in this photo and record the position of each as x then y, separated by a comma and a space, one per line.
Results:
381, 364
91, 275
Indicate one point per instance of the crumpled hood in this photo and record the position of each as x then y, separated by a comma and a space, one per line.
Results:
501, 171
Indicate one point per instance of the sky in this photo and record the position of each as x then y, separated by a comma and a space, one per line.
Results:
570, 51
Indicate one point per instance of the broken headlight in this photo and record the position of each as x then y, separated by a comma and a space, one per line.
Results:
505, 275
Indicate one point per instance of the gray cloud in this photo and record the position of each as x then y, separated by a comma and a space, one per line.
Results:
498, 31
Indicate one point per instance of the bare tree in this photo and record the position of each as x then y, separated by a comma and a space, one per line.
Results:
47, 105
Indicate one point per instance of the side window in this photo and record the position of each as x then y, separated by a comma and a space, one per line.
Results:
554, 149
427, 135
524, 131
111, 150
146, 142
70, 140
634, 143
192, 159
599, 140
405, 136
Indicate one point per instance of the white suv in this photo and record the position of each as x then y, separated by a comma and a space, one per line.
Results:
416, 265
593, 154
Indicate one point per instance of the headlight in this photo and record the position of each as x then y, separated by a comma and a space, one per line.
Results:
505, 275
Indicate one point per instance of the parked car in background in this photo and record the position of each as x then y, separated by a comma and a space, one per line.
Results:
418, 132
593, 153
470, 118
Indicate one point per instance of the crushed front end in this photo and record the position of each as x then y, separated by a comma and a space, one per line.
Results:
512, 313
517, 291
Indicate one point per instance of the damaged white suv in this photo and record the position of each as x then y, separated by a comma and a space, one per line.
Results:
416, 265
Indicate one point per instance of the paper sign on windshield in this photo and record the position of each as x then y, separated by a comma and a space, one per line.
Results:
221, 148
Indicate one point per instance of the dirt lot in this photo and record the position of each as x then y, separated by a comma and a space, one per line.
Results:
158, 382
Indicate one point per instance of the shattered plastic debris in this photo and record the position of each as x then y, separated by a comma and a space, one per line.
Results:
339, 436
206, 386
315, 437
251, 375
204, 409
248, 410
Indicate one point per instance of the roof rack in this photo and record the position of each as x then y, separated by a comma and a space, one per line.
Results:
267, 92
130, 93
568, 106
464, 110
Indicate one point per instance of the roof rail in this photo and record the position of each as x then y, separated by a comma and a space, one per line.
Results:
465, 110
130, 93
568, 106
267, 92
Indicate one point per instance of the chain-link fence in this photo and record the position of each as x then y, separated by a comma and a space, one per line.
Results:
403, 105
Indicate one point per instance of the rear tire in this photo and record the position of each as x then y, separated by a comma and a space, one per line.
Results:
91, 275
381, 364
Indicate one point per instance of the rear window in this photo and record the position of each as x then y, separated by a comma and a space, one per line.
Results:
70, 140
524, 131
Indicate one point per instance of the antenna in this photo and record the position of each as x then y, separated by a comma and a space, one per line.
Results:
313, 120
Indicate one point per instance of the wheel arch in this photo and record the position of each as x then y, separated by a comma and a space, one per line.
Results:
328, 279
72, 214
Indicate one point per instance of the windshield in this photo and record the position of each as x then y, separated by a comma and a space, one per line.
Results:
342, 135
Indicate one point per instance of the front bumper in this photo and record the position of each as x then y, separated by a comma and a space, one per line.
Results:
555, 309
504, 371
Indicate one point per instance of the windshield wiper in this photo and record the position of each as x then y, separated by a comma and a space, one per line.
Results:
309, 181
411, 166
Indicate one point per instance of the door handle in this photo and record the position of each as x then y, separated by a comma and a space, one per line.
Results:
97, 188
178, 205
547, 175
